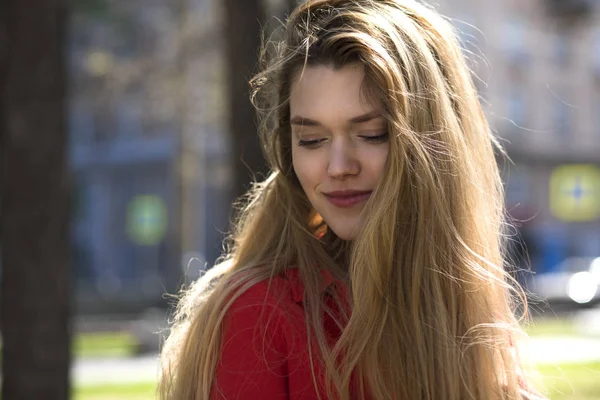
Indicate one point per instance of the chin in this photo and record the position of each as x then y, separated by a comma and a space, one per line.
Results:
344, 232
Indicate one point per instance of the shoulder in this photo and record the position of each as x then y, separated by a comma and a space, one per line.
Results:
268, 304
276, 291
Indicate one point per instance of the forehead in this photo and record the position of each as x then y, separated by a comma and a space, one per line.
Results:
321, 89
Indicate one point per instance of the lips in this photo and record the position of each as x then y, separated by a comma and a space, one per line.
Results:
347, 198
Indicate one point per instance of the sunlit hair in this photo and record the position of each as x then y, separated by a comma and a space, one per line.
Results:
433, 311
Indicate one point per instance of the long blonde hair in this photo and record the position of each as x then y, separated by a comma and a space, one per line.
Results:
432, 313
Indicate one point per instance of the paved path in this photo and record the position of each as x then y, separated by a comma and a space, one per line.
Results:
99, 371
561, 349
547, 350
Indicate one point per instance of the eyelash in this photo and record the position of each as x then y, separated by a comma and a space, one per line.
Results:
376, 139
310, 143
371, 139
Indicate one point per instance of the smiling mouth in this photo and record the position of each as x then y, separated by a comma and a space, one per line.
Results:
347, 198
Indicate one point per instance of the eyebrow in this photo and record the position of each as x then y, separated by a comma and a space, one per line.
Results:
301, 121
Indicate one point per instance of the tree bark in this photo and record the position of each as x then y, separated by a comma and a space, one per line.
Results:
242, 27
34, 195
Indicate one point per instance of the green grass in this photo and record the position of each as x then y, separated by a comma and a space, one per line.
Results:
111, 344
138, 391
566, 381
123, 344
551, 327
562, 382
571, 382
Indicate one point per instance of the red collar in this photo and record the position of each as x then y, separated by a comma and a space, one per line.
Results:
297, 286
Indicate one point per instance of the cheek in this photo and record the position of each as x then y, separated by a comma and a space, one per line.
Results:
376, 160
304, 168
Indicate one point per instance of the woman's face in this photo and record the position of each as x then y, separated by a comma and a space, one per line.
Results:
340, 143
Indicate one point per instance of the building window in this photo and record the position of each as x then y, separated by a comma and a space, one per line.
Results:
515, 35
563, 112
104, 112
516, 106
561, 49
468, 34
128, 114
595, 105
518, 187
596, 51
482, 89
159, 108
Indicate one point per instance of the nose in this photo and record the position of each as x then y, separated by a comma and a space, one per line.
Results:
343, 161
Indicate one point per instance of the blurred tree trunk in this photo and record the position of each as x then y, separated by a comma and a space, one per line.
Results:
34, 197
243, 21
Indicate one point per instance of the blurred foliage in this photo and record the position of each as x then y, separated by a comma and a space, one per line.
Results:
93, 8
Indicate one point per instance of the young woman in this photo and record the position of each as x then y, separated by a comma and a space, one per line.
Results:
369, 264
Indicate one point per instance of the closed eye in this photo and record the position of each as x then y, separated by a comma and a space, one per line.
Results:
310, 143
376, 139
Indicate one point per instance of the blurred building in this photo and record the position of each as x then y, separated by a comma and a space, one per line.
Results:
538, 64
146, 109
149, 147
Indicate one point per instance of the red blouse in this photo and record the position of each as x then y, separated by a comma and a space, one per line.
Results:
265, 344
264, 351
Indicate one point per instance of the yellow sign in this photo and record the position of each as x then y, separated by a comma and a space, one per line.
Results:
147, 220
99, 63
575, 192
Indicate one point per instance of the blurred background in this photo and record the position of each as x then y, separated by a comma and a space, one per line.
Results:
161, 140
